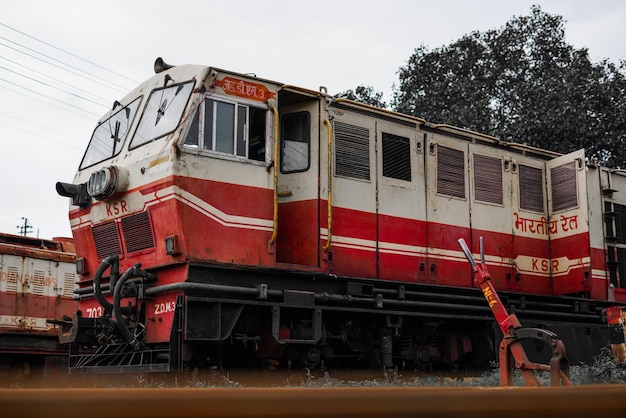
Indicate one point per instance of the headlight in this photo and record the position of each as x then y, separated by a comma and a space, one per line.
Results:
106, 182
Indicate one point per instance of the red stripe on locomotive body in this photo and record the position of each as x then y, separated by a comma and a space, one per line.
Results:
620, 295
353, 243
233, 199
231, 223
403, 257
86, 250
34, 305
599, 274
354, 224
571, 264
439, 260
27, 313
212, 220
298, 240
222, 222
212, 241
402, 230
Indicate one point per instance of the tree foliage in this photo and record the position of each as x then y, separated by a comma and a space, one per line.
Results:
521, 83
364, 94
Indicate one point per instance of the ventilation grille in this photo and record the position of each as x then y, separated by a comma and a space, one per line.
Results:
564, 190
137, 232
352, 154
530, 188
487, 179
69, 281
450, 172
13, 275
396, 157
38, 283
106, 239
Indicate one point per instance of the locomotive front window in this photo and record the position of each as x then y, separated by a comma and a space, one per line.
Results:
162, 114
110, 135
229, 128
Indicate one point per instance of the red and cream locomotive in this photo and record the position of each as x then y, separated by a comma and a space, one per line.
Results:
221, 218
37, 281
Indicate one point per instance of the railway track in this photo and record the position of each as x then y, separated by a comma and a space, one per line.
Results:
573, 401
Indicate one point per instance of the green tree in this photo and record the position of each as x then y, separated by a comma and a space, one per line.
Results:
364, 94
521, 83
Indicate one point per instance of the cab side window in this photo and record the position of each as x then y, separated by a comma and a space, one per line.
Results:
229, 128
295, 142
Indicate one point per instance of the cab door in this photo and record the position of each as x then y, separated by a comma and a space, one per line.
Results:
570, 253
297, 240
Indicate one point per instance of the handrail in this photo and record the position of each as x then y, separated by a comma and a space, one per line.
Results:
330, 183
275, 231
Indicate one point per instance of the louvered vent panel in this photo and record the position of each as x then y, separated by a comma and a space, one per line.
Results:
352, 154
69, 280
450, 171
487, 179
564, 190
531, 188
106, 239
13, 276
38, 283
396, 157
137, 232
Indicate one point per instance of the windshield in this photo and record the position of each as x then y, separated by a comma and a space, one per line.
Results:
109, 136
162, 113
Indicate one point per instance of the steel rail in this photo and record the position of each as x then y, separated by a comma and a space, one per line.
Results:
328, 402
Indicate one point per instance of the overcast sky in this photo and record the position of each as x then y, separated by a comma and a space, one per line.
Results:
63, 63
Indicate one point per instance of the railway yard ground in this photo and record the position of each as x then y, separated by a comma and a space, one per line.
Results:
598, 389
606, 400
602, 371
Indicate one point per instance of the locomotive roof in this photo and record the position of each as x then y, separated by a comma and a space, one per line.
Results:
201, 73
60, 249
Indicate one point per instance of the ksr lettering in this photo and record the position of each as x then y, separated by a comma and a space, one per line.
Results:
117, 208
24, 322
544, 265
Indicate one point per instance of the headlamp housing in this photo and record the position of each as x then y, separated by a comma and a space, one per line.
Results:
106, 182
